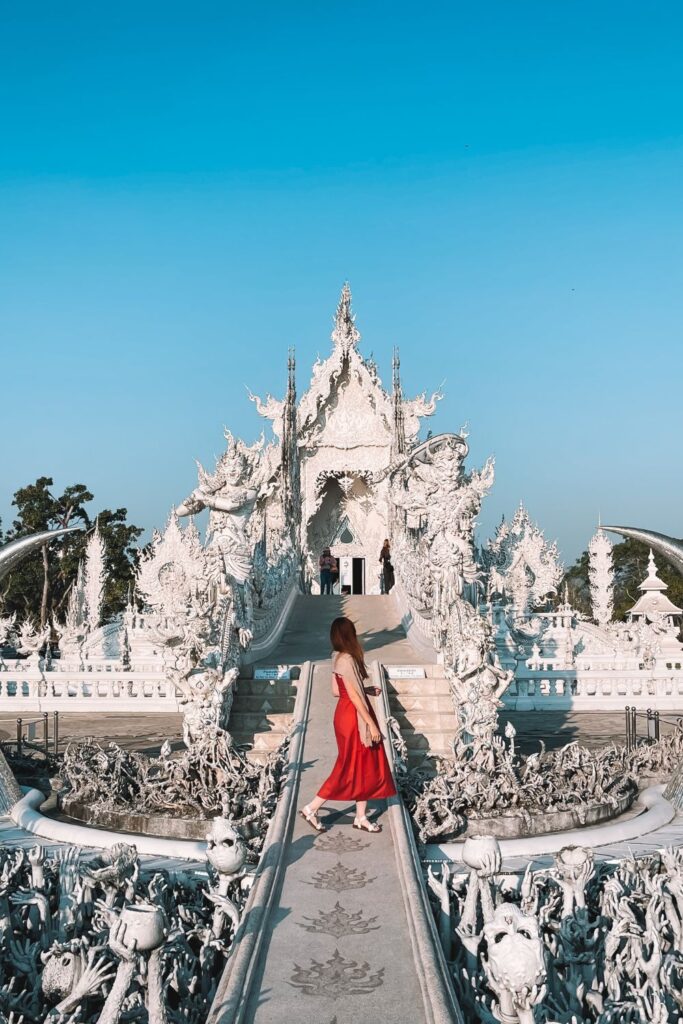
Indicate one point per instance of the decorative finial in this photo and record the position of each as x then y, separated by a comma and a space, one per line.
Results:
345, 335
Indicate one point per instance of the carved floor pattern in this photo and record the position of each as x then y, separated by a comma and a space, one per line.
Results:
338, 842
337, 977
339, 922
340, 878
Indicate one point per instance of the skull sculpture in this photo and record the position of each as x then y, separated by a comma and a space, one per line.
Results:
515, 967
225, 848
62, 972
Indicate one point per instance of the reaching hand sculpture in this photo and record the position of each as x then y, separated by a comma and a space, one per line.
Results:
134, 945
574, 944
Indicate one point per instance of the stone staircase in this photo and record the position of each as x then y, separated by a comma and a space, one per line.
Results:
261, 714
423, 708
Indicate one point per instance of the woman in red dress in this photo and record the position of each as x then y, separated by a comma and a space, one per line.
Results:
361, 771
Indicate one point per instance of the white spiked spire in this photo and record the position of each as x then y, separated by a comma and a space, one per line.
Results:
345, 334
601, 576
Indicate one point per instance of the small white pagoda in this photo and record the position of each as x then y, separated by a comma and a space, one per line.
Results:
654, 606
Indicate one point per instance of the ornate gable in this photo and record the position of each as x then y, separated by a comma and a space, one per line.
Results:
345, 404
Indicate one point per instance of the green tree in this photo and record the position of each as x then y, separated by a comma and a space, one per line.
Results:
630, 559
40, 509
121, 553
40, 585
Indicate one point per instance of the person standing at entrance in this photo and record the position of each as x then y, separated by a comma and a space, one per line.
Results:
328, 566
388, 578
361, 771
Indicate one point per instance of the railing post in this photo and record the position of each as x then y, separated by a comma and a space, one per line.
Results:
18, 736
628, 728
55, 738
46, 733
656, 725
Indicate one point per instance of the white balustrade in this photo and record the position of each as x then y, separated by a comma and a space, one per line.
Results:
600, 690
106, 688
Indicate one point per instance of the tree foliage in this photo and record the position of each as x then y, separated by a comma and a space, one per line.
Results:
39, 587
630, 559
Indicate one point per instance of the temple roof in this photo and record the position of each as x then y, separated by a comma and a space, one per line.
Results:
345, 363
654, 602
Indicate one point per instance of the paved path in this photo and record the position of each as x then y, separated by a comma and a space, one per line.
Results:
591, 729
339, 946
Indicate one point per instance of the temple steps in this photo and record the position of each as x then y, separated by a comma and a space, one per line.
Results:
405, 703
263, 688
431, 721
261, 715
423, 709
267, 703
435, 742
419, 687
258, 721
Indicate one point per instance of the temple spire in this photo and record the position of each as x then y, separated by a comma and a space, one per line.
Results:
345, 334
291, 505
601, 577
399, 441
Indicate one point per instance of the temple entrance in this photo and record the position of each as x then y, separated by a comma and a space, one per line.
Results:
351, 575
350, 520
358, 576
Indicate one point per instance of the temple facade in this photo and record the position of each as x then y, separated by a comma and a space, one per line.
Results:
338, 443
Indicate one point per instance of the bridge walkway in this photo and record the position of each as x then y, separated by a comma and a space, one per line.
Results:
339, 946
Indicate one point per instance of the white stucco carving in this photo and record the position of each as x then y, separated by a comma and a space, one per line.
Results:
601, 572
523, 566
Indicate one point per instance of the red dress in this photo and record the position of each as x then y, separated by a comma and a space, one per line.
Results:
360, 772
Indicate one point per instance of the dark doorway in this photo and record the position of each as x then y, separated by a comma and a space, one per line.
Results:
358, 578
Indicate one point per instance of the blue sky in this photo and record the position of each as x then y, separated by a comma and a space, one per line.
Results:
183, 190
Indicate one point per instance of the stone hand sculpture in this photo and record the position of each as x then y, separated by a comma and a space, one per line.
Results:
573, 870
576, 944
131, 947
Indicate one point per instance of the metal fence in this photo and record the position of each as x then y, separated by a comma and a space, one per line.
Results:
651, 722
40, 733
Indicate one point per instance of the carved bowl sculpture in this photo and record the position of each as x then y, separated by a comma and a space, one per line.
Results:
515, 950
225, 849
482, 854
145, 926
61, 973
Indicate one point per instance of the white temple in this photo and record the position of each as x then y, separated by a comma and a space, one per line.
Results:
345, 468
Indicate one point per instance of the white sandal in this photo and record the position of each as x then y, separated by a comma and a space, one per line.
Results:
369, 826
312, 819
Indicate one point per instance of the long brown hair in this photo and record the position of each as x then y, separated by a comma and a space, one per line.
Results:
344, 639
